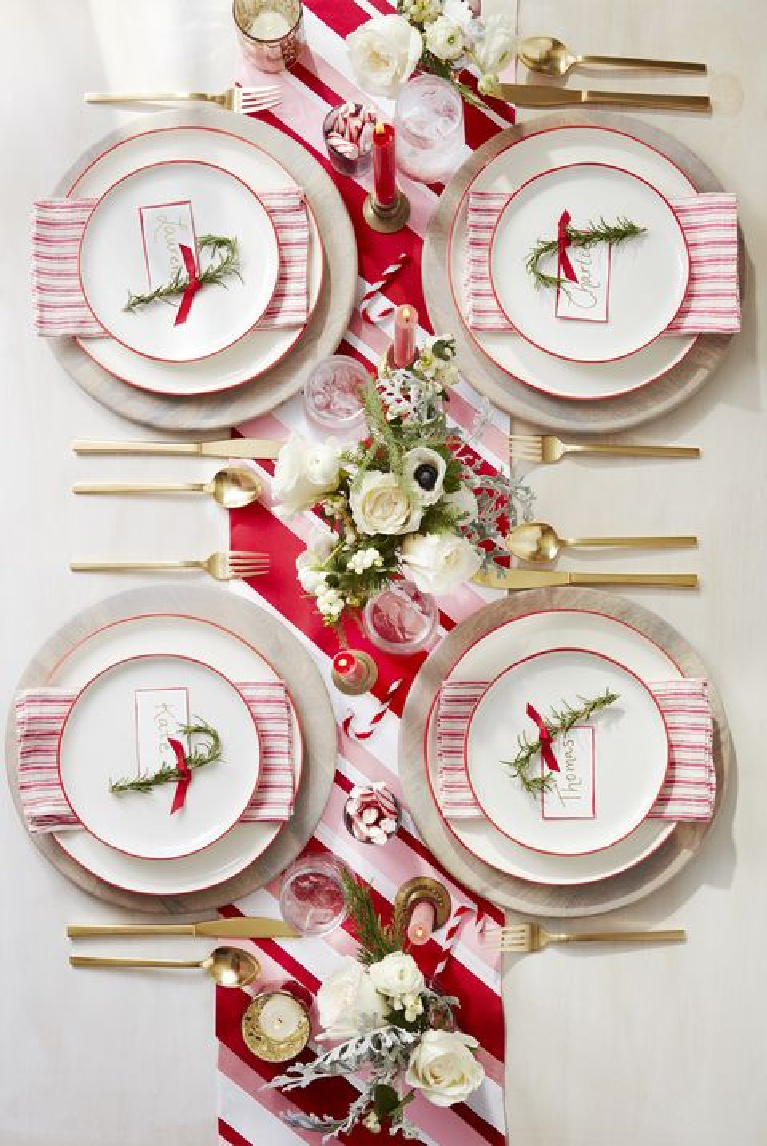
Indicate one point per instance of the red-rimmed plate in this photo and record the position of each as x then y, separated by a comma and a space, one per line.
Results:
610, 770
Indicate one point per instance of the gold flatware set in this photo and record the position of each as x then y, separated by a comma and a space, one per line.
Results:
237, 99
551, 57
539, 542
525, 938
228, 966
547, 449
231, 488
234, 565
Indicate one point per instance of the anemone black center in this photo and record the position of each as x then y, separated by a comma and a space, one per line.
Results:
426, 475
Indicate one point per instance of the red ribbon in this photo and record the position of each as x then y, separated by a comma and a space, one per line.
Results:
563, 242
192, 287
547, 752
184, 779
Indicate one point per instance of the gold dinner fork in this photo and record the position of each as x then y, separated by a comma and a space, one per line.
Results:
547, 448
523, 938
236, 565
238, 99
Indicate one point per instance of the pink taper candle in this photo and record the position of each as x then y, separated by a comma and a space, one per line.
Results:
405, 326
421, 923
384, 165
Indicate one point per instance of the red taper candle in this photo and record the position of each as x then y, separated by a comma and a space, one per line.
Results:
384, 165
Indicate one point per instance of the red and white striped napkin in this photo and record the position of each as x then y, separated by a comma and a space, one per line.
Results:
59, 303
710, 224
40, 714
688, 791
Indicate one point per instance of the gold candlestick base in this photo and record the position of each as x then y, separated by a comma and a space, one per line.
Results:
423, 887
366, 681
386, 219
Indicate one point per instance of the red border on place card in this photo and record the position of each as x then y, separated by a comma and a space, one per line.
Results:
584, 728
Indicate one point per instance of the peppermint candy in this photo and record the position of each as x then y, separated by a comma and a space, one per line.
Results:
349, 129
372, 813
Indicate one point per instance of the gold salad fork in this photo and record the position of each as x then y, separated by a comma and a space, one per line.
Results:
236, 565
238, 99
547, 448
523, 938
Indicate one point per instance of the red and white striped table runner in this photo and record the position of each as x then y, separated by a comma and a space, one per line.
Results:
247, 1113
710, 224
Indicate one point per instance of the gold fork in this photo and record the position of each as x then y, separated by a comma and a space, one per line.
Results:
527, 937
238, 99
237, 565
547, 448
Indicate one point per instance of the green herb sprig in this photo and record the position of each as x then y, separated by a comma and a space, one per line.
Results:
214, 273
600, 232
198, 758
558, 723
376, 939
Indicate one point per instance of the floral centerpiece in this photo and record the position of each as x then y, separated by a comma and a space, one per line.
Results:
438, 36
388, 1023
410, 499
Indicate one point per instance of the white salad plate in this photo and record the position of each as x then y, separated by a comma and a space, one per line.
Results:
143, 212
506, 173
623, 753
490, 656
653, 267
107, 736
261, 348
189, 636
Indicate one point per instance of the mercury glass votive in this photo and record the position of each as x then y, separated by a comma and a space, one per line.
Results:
271, 32
429, 121
401, 619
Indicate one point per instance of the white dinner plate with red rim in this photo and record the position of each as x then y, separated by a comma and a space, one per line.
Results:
515, 639
117, 244
627, 744
505, 172
99, 743
652, 268
241, 662
260, 349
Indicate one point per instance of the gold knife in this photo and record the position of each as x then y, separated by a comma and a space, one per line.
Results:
238, 927
228, 448
546, 95
540, 579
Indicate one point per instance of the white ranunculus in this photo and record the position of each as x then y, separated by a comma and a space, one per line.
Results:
439, 562
459, 12
398, 976
464, 503
443, 1067
348, 1002
495, 47
423, 456
383, 53
311, 578
304, 472
444, 39
380, 504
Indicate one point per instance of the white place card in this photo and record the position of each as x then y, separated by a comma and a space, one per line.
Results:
588, 298
571, 795
160, 714
164, 227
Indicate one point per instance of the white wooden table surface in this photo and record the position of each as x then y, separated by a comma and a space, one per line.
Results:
645, 1048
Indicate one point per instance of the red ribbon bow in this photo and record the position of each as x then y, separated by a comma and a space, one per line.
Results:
563, 242
184, 779
192, 287
547, 752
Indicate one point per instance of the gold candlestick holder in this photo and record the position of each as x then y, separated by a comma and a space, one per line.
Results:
424, 887
360, 682
386, 219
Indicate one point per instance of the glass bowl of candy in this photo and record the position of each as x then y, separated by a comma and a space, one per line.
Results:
312, 896
348, 135
333, 394
372, 813
401, 619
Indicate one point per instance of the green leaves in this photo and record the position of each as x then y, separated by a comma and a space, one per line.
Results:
200, 756
228, 264
601, 232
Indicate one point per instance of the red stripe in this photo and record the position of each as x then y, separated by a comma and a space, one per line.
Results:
226, 1132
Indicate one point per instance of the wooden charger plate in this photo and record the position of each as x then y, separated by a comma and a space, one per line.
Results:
509, 891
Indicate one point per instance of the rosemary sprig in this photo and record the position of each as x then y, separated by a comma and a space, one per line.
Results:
376, 939
601, 232
558, 723
214, 272
199, 757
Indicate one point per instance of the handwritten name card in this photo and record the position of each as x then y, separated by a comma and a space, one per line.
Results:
588, 298
160, 714
571, 795
164, 226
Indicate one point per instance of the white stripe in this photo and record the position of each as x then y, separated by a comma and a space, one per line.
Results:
249, 1118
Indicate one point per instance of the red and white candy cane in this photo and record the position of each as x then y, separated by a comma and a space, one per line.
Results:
460, 917
364, 732
387, 275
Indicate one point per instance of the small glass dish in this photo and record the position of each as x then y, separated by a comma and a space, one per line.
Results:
271, 32
430, 134
312, 896
332, 394
348, 134
401, 619
372, 814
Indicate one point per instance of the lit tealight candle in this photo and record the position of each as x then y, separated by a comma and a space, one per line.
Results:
268, 25
405, 327
421, 923
281, 1016
276, 1026
384, 165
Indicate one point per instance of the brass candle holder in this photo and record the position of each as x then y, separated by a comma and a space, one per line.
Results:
359, 681
420, 888
386, 219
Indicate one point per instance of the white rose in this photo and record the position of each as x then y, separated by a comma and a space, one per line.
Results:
398, 976
459, 12
463, 502
379, 504
304, 472
439, 562
495, 47
444, 39
310, 578
349, 1003
423, 456
383, 53
444, 1068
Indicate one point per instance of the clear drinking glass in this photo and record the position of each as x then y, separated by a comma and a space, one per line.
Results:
401, 619
429, 122
271, 32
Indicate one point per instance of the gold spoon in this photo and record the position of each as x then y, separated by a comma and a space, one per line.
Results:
229, 966
232, 487
537, 541
553, 58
